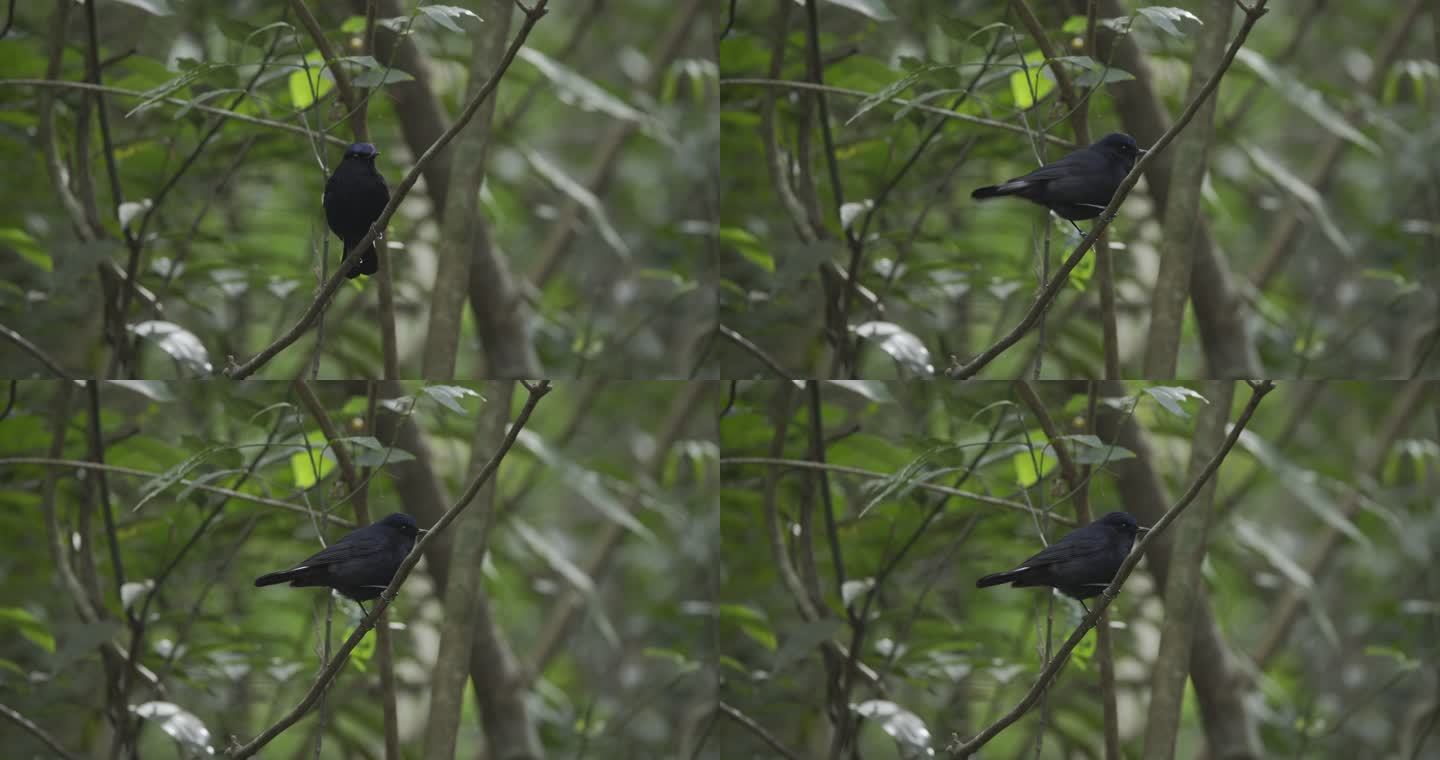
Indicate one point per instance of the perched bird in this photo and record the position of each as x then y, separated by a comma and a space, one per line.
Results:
1081, 564
359, 565
355, 195
1078, 186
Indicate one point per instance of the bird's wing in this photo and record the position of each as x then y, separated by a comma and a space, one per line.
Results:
1080, 543
349, 547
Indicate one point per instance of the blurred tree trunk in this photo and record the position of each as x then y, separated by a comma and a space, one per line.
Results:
458, 230
1229, 727
501, 316
503, 711
1190, 160
471, 533
1219, 313
1185, 584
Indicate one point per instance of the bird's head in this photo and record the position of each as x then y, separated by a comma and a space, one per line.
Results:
362, 151
1120, 145
403, 524
1123, 522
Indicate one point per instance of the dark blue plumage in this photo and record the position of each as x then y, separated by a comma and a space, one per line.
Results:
355, 196
1081, 564
1077, 186
359, 565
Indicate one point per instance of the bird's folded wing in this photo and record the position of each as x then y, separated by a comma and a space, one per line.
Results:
1070, 547
338, 552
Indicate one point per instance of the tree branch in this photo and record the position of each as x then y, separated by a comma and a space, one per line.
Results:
1051, 670
537, 391
322, 299
1051, 289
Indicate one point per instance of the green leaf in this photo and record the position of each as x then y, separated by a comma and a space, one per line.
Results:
1031, 84
309, 85
447, 15
26, 246
178, 343
1308, 196
1168, 18
873, 390
370, 452
750, 621
900, 344
876, 9
1093, 72
304, 470
80, 640
152, 7
582, 92
1025, 460
801, 639
572, 573
380, 78
1089, 449
1171, 397
749, 247
586, 483
29, 626
893, 90
155, 390
450, 396
1305, 98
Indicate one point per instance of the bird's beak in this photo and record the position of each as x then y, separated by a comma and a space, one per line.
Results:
421, 532
1142, 530
1142, 151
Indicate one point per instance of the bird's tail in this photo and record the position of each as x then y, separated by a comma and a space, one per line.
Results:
1013, 187
994, 579
270, 579
367, 263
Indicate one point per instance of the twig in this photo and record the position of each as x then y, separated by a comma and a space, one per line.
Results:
1048, 674
537, 391
925, 486
202, 108
21, 720
913, 105
342, 78
754, 350
755, 728
1042, 301
322, 299
36, 352
356, 482
188, 483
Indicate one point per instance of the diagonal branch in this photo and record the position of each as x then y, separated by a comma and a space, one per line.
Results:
537, 391
1051, 670
322, 299
1052, 288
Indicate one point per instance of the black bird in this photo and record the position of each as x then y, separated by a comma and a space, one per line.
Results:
1081, 564
355, 195
359, 565
1078, 186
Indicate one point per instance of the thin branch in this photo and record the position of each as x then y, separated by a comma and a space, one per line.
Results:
322, 299
36, 352
802, 464
21, 720
754, 350
1042, 301
910, 104
188, 483
322, 682
1051, 670
342, 78
755, 728
188, 104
